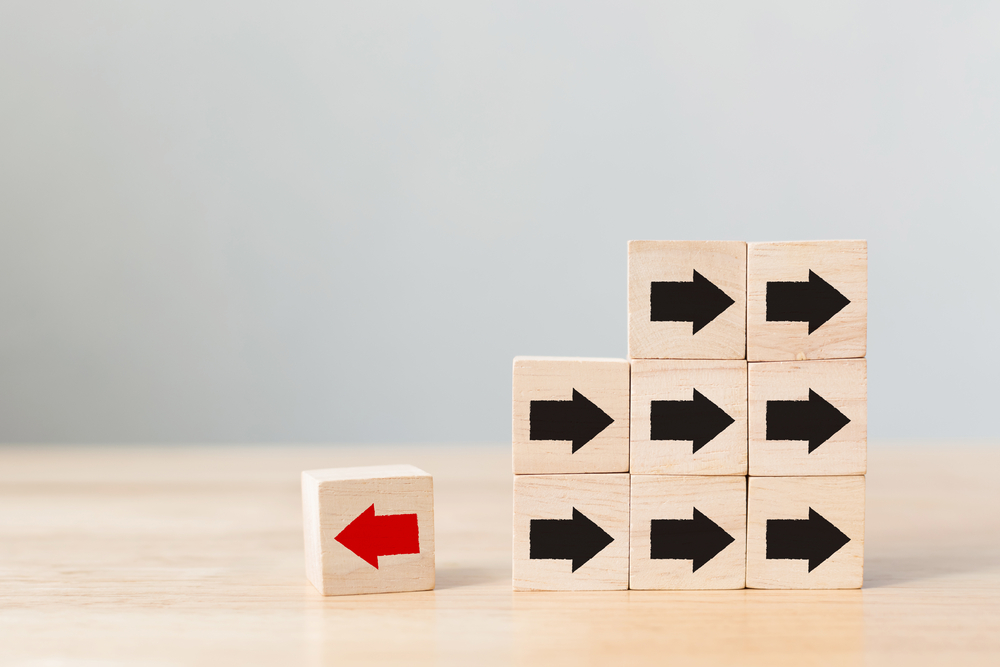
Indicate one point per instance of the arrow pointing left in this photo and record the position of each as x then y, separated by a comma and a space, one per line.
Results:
699, 539
698, 420
578, 539
370, 536
578, 420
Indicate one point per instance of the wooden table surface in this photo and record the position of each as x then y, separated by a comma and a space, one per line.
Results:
193, 555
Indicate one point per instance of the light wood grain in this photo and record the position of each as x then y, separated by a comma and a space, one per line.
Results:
193, 556
842, 264
722, 382
604, 382
333, 498
723, 263
722, 499
839, 500
603, 499
843, 383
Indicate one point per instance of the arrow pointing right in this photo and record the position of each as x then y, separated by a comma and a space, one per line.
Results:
814, 539
578, 420
578, 539
815, 420
699, 539
814, 302
698, 302
698, 420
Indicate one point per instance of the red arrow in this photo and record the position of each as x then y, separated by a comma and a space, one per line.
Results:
371, 536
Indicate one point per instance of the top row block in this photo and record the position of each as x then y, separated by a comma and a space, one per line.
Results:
793, 301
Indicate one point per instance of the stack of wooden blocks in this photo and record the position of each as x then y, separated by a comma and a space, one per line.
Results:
728, 451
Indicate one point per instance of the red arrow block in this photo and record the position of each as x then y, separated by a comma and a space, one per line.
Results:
370, 536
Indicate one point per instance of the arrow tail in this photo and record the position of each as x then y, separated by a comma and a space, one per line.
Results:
396, 534
788, 302
787, 539
672, 302
551, 539
551, 420
787, 420
672, 420
673, 539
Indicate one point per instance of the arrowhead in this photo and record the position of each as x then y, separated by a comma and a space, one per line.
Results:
825, 420
825, 539
824, 302
589, 539
710, 302
710, 538
359, 536
711, 419
588, 420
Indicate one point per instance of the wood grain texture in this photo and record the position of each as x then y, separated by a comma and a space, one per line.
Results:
839, 500
723, 263
722, 499
842, 264
603, 499
724, 383
333, 498
843, 383
604, 382
193, 555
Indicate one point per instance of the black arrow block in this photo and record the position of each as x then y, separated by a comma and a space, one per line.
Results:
698, 302
699, 539
814, 539
815, 420
578, 539
698, 420
814, 302
578, 420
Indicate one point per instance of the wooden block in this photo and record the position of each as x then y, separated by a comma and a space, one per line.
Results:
688, 532
571, 532
369, 529
808, 417
687, 299
688, 417
570, 415
807, 300
806, 532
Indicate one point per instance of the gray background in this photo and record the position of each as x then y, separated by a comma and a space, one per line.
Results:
250, 221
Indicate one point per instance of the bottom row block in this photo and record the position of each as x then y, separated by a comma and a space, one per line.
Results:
619, 531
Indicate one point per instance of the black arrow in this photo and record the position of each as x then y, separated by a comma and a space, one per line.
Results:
698, 420
698, 302
814, 539
578, 539
578, 420
815, 420
699, 539
814, 302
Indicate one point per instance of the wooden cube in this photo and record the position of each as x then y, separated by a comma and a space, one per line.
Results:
687, 299
806, 532
807, 300
808, 417
688, 532
369, 529
570, 415
689, 417
571, 532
